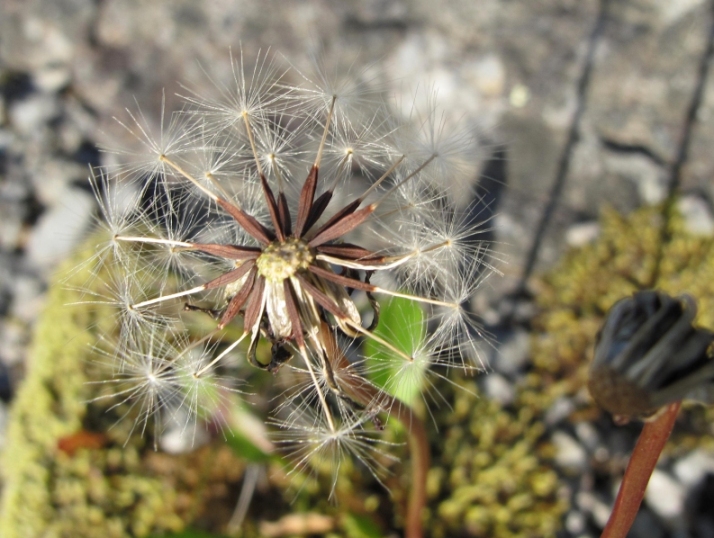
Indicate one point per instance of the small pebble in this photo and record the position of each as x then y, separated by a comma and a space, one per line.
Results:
590, 504
52, 77
27, 298
581, 234
575, 522
60, 229
32, 114
13, 341
559, 410
499, 389
697, 216
665, 495
691, 469
512, 353
569, 453
587, 435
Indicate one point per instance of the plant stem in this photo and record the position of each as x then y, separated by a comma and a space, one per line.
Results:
366, 394
639, 469
420, 456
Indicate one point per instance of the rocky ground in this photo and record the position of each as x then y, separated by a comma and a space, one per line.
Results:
576, 105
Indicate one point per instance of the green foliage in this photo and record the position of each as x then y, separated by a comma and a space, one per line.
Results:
121, 487
48, 491
402, 323
491, 471
189, 533
360, 527
495, 475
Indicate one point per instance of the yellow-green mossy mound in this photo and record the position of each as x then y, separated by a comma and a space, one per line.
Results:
494, 475
69, 469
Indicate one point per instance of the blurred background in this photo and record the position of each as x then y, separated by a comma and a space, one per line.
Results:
575, 105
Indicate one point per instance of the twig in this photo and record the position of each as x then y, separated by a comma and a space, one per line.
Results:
639, 469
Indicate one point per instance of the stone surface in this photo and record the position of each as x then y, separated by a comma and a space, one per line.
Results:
511, 354
580, 234
637, 71
496, 387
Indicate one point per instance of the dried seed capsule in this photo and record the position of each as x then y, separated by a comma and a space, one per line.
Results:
649, 354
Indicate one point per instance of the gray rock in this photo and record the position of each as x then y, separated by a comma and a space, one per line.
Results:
11, 226
559, 411
37, 34
27, 298
588, 435
30, 115
498, 388
583, 233
642, 86
691, 469
665, 496
60, 229
512, 353
697, 216
52, 78
575, 522
649, 178
589, 503
51, 179
14, 336
570, 454
511, 66
671, 12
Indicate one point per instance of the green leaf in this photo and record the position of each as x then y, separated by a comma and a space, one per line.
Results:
360, 527
189, 533
247, 435
245, 449
402, 324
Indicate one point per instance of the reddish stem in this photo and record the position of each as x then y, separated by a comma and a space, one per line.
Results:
420, 460
364, 393
639, 469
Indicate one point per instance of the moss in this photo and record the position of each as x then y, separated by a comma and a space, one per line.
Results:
492, 474
66, 471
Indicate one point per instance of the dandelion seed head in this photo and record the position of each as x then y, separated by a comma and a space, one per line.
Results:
292, 213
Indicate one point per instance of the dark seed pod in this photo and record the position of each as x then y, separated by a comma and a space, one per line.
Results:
648, 354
